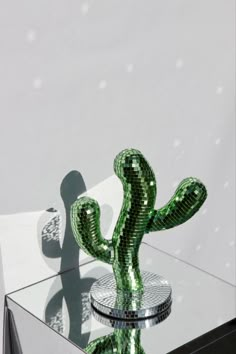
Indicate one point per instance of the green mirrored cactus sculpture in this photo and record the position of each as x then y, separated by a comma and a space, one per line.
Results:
137, 217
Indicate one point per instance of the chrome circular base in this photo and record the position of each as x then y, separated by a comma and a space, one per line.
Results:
140, 323
154, 300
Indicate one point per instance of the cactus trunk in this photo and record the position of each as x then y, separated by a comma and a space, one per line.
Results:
139, 197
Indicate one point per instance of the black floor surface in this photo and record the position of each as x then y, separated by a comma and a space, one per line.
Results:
221, 340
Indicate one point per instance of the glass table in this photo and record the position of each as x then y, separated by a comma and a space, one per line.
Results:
201, 302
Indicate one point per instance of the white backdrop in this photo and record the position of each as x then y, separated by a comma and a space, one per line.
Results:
80, 81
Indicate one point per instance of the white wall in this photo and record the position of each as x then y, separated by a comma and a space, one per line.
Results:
80, 81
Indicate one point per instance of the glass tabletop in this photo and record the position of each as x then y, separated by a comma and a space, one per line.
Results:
201, 302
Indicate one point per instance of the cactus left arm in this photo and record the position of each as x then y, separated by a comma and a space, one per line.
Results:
85, 222
188, 198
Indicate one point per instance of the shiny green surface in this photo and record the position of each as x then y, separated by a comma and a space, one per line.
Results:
121, 341
137, 217
188, 198
85, 222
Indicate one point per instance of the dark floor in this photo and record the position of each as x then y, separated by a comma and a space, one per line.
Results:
221, 340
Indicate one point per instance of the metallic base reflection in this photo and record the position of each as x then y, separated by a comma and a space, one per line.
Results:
128, 324
153, 301
126, 337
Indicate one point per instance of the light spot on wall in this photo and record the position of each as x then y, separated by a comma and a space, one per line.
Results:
231, 243
198, 247
179, 64
227, 265
178, 251
226, 184
129, 68
218, 141
84, 8
31, 36
217, 229
102, 84
219, 90
176, 143
37, 83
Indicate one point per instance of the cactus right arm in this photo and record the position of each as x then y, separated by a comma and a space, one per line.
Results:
188, 198
85, 221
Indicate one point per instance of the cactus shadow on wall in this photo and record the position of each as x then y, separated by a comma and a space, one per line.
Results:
67, 305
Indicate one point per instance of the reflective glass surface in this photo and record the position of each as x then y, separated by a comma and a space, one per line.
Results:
201, 302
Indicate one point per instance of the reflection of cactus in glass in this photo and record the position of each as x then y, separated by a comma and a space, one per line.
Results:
136, 218
121, 341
